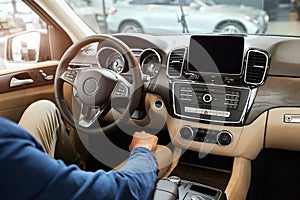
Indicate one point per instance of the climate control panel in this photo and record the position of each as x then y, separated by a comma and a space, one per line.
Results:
222, 137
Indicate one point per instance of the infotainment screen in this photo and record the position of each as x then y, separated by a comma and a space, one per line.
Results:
216, 54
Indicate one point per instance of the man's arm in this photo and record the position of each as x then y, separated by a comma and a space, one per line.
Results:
27, 172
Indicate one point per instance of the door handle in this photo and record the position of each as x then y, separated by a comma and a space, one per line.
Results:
292, 118
17, 82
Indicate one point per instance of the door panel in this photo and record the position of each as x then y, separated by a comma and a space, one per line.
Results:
18, 89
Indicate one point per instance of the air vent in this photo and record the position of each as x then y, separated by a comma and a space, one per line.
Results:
175, 64
88, 52
137, 53
256, 67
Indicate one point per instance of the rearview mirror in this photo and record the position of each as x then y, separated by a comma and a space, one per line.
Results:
27, 47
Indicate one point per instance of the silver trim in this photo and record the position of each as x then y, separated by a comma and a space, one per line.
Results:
162, 104
190, 184
142, 61
112, 49
253, 93
190, 129
209, 98
17, 82
80, 66
183, 59
258, 66
250, 94
292, 118
200, 196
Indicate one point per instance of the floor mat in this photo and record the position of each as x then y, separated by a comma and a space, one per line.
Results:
275, 175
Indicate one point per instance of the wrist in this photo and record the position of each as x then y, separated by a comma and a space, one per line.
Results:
146, 146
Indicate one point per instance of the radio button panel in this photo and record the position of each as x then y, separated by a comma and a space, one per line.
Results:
210, 102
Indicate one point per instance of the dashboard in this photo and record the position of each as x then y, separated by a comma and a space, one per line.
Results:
212, 78
213, 88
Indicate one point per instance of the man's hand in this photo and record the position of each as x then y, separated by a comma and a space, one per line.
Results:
143, 139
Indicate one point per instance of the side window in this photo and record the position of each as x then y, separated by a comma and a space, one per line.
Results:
17, 17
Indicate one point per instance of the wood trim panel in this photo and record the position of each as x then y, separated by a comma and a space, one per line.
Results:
276, 92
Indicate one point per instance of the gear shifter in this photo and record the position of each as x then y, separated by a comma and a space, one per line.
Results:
175, 179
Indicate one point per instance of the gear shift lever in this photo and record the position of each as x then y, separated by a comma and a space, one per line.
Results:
175, 179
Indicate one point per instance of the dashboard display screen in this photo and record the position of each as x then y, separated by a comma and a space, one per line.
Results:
216, 54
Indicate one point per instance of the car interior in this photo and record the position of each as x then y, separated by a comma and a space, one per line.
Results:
227, 106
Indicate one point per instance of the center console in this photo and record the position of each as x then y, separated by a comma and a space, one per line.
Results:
173, 188
213, 81
195, 191
215, 78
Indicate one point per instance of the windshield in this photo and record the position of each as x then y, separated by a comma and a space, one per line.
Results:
206, 2
190, 16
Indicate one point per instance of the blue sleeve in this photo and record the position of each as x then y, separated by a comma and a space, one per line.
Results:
27, 172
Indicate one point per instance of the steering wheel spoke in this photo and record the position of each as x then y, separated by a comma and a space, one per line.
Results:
88, 115
122, 89
69, 76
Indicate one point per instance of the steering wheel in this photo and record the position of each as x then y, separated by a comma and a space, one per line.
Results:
96, 88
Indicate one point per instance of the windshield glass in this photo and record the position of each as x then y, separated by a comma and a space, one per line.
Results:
207, 2
276, 17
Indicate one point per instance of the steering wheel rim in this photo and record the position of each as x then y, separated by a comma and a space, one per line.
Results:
135, 87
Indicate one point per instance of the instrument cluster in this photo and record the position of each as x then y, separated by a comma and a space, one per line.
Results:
112, 59
149, 60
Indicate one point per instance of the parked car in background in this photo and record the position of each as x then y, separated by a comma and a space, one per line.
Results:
270, 6
194, 16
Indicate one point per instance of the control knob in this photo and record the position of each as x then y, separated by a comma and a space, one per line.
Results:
175, 179
224, 138
186, 132
207, 98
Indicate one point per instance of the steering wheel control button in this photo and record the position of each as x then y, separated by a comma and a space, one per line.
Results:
121, 90
70, 75
224, 138
187, 133
207, 98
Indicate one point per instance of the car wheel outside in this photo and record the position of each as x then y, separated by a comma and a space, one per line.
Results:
130, 27
230, 27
